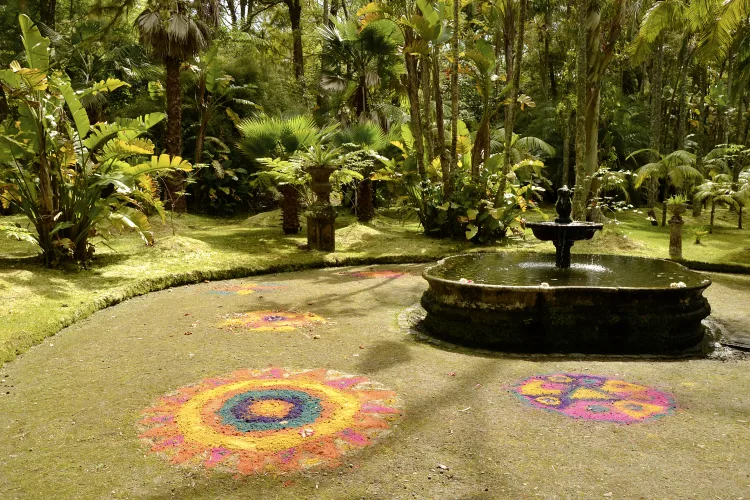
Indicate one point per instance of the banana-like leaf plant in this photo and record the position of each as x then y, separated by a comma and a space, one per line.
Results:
65, 175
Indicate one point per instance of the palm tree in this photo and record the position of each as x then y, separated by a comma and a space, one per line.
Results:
675, 169
369, 137
717, 190
175, 31
360, 60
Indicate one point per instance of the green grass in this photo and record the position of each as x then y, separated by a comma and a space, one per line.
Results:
38, 302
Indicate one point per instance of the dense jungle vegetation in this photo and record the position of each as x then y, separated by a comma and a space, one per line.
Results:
466, 113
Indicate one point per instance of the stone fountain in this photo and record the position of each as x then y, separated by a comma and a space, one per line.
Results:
605, 304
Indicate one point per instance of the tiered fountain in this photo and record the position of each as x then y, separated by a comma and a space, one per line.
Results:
531, 303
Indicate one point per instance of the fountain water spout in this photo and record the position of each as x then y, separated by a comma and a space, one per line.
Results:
564, 231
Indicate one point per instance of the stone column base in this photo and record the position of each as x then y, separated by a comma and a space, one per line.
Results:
321, 234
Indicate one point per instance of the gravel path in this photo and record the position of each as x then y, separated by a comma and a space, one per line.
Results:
108, 407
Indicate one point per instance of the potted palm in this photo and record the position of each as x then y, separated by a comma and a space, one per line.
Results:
320, 162
676, 206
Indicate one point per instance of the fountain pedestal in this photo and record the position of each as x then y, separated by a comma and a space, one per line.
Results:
564, 231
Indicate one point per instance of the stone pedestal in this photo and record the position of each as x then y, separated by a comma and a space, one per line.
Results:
321, 234
321, 217
675, 237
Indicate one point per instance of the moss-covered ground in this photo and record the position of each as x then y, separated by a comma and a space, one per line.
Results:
37, 302
71, 405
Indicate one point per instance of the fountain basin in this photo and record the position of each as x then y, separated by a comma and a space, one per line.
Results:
574, 231
602, 304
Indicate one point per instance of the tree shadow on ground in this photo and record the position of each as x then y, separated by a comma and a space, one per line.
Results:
382, 356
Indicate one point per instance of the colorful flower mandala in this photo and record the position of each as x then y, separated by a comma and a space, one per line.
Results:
245, 289
256, 421
591, 397
280, 321
373, 274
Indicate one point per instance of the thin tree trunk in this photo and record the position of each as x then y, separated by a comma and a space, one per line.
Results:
174, 182
579, 195
425, 69
566, 148
544, 59
4, 109
47, 12
739, 217
711, 222
454, 96
510, 64
440, 150
655, 125
699, 136
412, 91
231, 7
295, 18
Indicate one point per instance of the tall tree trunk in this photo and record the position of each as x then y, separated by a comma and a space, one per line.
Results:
564, 181
544, 65
232, 8
510, 110
4, 109
550, 62
365, 207
655, 125
412, 92
682, 105
174, 182
509, 34
700, 136
47, 12
579, 194
454, 95
425, 69
295, 17
440, 150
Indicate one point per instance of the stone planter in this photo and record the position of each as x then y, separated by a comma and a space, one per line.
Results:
321, 217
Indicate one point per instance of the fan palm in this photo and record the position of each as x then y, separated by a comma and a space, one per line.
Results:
175, 31
718, 190
674, 169
361, 60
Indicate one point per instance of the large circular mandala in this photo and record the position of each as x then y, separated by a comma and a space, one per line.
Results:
272, 420
594, 398
283, 321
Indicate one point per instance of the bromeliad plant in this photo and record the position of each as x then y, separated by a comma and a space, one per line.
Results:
65, 175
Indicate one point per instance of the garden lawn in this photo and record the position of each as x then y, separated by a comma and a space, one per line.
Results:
38, 302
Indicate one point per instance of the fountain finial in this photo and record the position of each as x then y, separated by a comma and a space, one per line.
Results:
563, 206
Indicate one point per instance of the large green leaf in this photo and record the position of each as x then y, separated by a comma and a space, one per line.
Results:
35, 45
107, 85
80, 117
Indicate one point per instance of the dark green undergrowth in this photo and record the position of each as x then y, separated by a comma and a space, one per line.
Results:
37, 302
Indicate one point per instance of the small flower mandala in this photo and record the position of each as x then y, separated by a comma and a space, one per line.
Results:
280, 321
384, 274
246, 289
273, 420
591, 397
